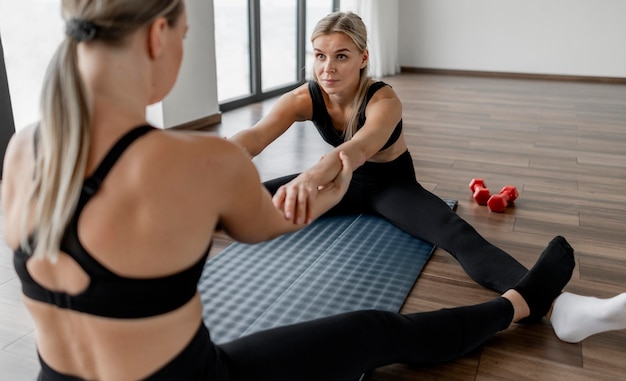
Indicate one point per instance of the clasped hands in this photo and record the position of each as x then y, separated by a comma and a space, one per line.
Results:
302, 199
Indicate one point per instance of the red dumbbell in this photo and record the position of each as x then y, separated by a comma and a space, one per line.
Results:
479, 191
499, 202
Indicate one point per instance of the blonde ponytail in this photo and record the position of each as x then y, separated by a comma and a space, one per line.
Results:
66, 117
357, 105
61, 151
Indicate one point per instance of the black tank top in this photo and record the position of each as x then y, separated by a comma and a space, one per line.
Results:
324, 124
109, 294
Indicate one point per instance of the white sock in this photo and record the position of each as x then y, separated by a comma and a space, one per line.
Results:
576, 317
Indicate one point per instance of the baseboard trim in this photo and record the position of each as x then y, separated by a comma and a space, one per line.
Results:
200, 124
493, 74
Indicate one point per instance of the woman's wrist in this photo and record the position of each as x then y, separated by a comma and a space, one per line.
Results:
321, 174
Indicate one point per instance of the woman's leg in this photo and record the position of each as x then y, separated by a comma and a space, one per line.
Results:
344, 346
424, 215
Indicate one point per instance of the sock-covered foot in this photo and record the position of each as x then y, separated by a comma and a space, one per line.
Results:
575, 317
546, 279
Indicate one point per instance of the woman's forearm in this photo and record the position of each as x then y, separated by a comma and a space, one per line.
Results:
325, 170
247, 140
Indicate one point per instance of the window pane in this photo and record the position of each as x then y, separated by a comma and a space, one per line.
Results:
315, 11
232, 48
278, 43
28, 50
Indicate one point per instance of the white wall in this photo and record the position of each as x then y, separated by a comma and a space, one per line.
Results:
28, 47
195, 94
561, 37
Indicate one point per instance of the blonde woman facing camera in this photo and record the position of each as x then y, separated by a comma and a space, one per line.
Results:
363, 118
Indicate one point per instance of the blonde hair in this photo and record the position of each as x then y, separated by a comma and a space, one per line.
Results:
352, 26
65, 128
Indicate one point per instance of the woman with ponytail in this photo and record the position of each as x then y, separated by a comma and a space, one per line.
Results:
363, 118
111, 220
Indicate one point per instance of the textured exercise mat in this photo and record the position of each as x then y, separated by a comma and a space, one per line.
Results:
337, 264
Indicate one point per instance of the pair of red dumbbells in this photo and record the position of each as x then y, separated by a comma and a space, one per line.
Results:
496, 202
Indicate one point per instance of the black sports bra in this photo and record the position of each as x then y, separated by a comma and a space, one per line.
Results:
324, 124
109, 294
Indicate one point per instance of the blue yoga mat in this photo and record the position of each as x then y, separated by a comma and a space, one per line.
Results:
337, 264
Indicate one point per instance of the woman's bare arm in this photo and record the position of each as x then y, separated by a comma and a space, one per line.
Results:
291, 107
248, 214
383, 113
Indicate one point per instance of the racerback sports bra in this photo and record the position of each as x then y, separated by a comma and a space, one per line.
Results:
109, 294
324, 124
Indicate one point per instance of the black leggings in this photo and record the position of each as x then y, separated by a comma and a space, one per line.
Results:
391, 190
343, 347
340, 347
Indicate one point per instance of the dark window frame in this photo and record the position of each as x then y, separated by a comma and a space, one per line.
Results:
256, 92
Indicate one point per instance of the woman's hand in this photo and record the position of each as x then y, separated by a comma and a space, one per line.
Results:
295, 198
298, 199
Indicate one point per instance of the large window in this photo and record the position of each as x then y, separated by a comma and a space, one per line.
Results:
232, 48
279, 34
262, 46
30, 32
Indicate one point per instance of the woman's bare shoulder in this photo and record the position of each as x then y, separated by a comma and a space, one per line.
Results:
20, 152
22, 140
295, 104
384, 92
192, 157
191, 148
17, 175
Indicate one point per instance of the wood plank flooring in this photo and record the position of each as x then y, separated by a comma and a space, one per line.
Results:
563, 144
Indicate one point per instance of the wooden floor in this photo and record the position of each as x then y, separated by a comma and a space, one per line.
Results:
562, 144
